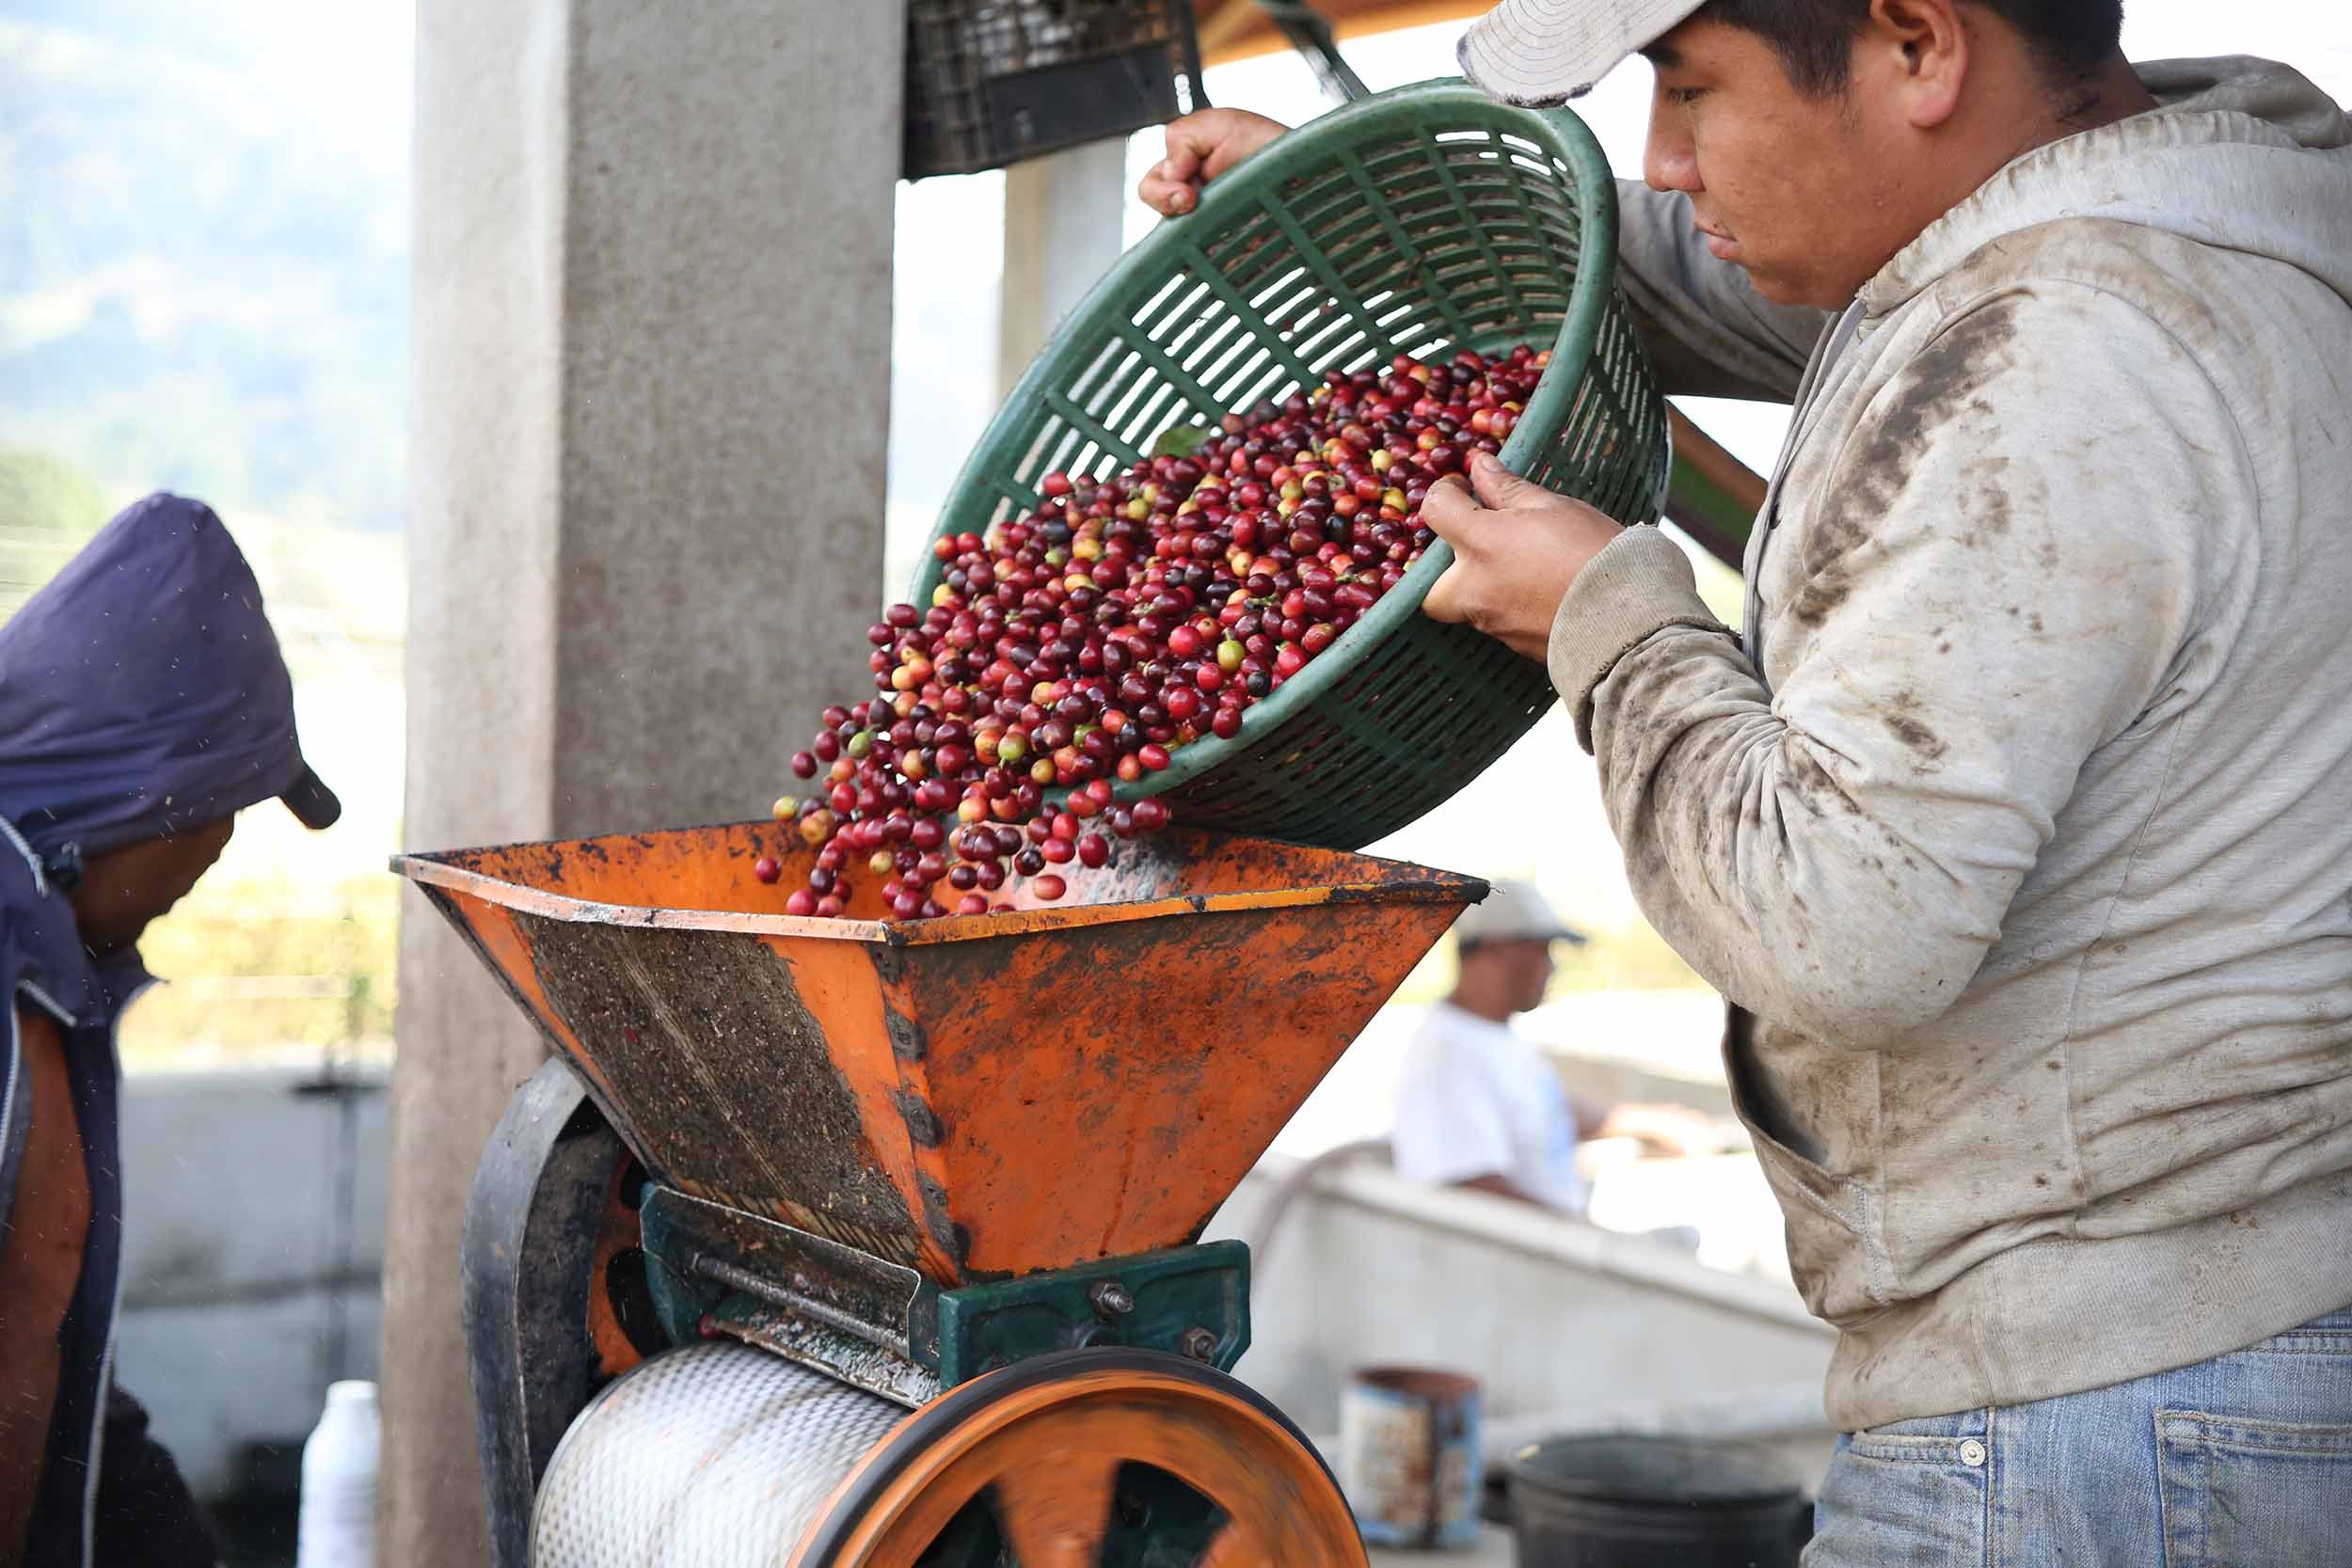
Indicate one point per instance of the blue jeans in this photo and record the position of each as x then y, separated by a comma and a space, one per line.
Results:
2241, 1462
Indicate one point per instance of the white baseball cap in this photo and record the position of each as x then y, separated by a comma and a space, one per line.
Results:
1513, 912
1538, 53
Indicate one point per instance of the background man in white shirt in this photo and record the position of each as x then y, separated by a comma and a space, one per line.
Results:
1479, 1106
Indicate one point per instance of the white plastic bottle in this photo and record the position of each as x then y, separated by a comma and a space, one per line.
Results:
338, 1463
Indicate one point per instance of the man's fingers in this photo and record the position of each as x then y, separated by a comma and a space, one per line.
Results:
1171, 189
1167, 188
1497, 485
1164, 196
1445, 601
1201, 147
1448, 509
1187, 142
1231, 149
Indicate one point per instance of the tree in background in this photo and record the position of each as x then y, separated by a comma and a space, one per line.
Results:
203, 254
269, 970
48, 509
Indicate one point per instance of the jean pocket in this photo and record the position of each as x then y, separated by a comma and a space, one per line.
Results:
1958, 1441
2239, 1491
1911, 1494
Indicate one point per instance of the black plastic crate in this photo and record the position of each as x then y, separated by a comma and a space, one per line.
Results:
992, 82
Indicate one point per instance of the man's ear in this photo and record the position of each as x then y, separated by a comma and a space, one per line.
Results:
1918, 52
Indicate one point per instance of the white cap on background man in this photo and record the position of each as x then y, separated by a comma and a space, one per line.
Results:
1513, 912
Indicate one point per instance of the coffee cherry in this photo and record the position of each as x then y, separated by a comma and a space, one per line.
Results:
1081, 643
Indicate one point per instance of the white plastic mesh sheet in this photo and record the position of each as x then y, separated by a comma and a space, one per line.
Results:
715, 1456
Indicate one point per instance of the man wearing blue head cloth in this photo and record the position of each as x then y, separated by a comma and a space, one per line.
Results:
143, 703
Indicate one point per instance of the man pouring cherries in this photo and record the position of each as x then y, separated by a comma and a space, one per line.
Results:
2012, 819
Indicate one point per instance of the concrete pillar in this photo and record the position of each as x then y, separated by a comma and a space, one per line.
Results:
651, 350
1064, 216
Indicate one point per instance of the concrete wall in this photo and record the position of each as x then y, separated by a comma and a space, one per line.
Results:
252, 1251
1566, 1327
251, 1281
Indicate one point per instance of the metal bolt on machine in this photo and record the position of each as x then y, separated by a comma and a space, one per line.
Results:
861, 1244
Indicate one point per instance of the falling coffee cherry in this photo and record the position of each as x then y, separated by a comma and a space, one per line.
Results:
1084, 642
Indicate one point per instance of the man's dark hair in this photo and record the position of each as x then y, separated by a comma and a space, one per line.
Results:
1814, 39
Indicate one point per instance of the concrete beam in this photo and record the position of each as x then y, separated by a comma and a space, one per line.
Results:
1064, 216
1549, 1313
651, 346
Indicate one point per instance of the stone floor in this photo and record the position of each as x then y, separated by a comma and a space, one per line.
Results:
1492, 1552
263, 1537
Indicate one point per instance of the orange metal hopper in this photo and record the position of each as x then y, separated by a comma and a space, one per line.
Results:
977, 1097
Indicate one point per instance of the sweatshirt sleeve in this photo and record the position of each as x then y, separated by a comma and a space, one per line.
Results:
1708, 332
1999, 572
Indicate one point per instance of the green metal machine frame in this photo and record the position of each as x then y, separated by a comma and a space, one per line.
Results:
879, 1325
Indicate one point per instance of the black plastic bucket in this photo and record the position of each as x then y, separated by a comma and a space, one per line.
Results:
1628, 1502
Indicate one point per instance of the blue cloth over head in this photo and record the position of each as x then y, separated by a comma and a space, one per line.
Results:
142, 691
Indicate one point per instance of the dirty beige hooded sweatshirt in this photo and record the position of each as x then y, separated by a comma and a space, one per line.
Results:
2021, 823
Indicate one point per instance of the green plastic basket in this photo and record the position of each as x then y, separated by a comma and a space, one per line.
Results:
1425, 220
